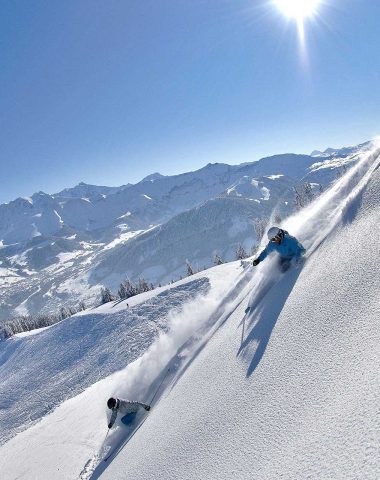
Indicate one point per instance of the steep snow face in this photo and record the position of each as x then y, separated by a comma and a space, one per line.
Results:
289, 391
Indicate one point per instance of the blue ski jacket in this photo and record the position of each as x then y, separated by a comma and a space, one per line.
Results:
288, 248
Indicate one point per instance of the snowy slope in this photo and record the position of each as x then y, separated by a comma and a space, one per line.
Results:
291, 391
42, 369
288, 391
97, 343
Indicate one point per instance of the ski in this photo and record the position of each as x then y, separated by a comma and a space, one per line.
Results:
134, 430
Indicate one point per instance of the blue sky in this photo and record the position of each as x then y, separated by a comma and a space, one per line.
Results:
109, 91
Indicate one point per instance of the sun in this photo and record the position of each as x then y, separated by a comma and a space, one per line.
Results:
298, 9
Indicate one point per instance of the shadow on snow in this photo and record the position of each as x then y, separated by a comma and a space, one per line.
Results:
262, 318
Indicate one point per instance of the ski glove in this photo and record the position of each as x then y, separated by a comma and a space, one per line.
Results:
109, 425
147, 407
255, 262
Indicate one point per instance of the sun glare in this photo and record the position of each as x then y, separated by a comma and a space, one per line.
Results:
298, 9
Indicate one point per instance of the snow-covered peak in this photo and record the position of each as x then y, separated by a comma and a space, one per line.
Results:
217, 167
341, 152
316, 153
152, 177
84, 190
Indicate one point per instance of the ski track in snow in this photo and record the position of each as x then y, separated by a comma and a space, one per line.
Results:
177, 348
87, 413
94, 346
306, 406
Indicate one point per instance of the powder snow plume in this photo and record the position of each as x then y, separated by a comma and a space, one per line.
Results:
313, 223
194, 318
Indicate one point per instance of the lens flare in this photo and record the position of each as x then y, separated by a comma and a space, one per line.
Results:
298, 9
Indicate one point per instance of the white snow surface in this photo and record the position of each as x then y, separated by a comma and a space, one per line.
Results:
289, 390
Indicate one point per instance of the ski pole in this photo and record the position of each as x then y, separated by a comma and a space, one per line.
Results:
105, 438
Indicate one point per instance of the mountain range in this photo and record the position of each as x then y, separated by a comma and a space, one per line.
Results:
62, 248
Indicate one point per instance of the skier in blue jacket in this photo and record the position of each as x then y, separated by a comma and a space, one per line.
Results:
288, 248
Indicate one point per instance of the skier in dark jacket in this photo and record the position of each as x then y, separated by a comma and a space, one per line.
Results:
288, 248
126, 408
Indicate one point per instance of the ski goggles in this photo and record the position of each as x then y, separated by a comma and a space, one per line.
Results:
276, 238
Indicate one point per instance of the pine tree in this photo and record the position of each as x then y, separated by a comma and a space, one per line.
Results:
259, 227
240, 252
218, 259
122, 291
142, 285
64, 313
308, 192
131, 288
189, 268
299, 201
106, 295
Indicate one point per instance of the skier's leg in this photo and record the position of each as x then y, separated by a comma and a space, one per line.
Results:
129, 418
284, 264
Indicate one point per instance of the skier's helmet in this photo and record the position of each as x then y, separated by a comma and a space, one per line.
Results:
273, 232
111, 403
